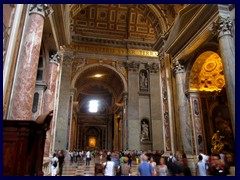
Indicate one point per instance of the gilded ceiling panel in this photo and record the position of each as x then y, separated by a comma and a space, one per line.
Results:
207, 73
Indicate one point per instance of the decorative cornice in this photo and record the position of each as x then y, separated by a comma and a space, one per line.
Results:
223, 26
177, 67
41, 9
109, 42
133, 66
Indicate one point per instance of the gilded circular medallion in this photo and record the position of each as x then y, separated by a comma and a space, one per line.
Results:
220, 82
209, 66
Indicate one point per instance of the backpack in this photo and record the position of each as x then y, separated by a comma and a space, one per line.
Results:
55, 164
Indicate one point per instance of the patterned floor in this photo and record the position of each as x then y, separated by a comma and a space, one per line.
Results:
80, 168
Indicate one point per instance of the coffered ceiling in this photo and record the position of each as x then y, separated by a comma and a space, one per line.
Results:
121, 22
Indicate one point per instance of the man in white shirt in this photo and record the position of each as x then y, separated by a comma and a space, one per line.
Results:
88, 158
201, 167
109, 169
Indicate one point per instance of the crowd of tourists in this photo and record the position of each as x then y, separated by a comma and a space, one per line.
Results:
119, 163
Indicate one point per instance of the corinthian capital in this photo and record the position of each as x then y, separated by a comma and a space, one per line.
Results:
42, 9
223, 26
55, 58
177, 67
133, 66
153, 68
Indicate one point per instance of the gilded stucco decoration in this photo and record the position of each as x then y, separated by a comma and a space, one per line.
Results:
207, 73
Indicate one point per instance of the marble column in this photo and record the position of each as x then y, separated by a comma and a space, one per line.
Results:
183, 115
223, 29
124, 123
9, 60
24, 87
49, 96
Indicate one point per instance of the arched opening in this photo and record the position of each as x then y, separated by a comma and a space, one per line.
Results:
98, 89
209, 102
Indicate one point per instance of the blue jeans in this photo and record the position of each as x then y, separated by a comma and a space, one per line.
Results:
88, 161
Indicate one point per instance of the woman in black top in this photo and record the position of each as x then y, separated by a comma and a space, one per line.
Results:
61, 158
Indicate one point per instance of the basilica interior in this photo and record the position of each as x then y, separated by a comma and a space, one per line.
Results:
157, 77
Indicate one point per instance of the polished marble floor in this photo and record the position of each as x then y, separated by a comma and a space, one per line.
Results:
80, 168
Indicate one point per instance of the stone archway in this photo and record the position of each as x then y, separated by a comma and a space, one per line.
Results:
105, 84
206, 84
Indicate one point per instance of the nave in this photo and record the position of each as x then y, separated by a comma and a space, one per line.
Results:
80, 168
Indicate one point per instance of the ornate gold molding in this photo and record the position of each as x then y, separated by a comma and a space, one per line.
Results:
112, 51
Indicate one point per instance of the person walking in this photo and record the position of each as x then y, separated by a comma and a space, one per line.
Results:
201, 167
129, 159
125, 169
61, 159
144, 168
54, 165
153, 163
88, 158
185, 168
162, 169
109, 167
216, 167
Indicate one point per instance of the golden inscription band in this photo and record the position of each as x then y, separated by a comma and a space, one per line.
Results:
112, 51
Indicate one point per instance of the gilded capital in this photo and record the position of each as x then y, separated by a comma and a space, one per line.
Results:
41, 9
223, 26
177, 67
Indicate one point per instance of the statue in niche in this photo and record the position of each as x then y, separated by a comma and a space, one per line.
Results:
145, 131
143, 80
